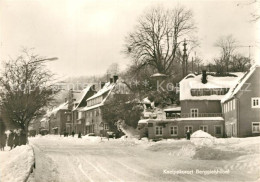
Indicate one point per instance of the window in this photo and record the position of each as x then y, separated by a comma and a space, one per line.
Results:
194, 112
218, 130
204, 128
68, 117
186, 128
174, 130
106, 127
158, 130
255, 127
255, 102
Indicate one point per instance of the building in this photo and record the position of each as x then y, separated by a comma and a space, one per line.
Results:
172, 112
79, 102
200, 105
92, 113
56, 119
241, 106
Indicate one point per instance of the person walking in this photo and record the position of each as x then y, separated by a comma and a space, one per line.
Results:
188, 134
16, 139
22, 138
10, 140
79, 136
3, 138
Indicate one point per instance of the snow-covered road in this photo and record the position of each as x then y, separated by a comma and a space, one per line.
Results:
78, 160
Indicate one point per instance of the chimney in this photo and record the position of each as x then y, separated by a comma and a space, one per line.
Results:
204, 77
93, 87
102, 84
115, 78
111, 80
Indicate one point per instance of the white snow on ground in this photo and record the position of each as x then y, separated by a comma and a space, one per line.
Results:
130, 159
15, 165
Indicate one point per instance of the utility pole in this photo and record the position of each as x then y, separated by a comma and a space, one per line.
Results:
192, 64
249, 50
185, 57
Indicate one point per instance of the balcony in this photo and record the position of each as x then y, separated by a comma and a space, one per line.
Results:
189, 115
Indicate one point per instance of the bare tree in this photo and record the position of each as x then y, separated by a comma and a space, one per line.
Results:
240, 63
25, 89
158, 36
227, 45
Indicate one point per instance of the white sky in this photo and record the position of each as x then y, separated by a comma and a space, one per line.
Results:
88, 35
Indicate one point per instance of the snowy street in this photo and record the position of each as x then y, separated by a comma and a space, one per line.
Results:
72, 159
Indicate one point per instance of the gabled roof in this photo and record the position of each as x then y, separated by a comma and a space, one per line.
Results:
236, 88
107, 87
81, 96
192, 81
63, 106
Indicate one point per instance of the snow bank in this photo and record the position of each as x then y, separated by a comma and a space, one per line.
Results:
92, 138
209, 153
15, 165
200, 138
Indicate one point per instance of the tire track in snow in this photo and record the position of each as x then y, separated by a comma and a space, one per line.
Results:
97, 166
71, 167
98, 170
125, 166
79, 165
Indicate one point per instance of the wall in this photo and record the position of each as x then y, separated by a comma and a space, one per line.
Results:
93, 120
181, 130
230, 117
247, 114
204, 106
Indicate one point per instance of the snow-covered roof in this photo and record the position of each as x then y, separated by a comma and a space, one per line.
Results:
172, 109
92, 107
77, 95
143, 121
43, 119
203, 118
63, 106
81, 96
236, 87
192, 81
107, 87
158, 75
146, 101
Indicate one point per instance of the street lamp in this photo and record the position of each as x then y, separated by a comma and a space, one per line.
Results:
44, 59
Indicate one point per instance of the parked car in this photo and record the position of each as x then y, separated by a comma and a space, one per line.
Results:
91, 134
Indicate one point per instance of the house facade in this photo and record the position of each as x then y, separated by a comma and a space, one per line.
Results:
241, 106
79, 102
64, 118
200, 105
92, 113
57, 118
